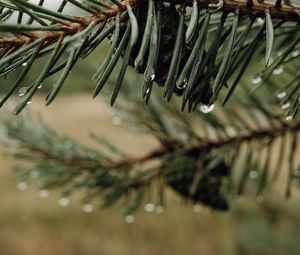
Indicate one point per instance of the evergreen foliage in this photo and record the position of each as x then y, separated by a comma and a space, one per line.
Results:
197, 54
210, 157
199, 50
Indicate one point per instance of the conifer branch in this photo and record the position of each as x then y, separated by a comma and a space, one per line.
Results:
202, 56
195, 161
27, 41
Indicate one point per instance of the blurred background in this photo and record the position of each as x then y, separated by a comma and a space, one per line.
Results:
33, 223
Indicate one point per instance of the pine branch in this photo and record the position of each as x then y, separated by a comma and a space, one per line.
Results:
200, 80
231, 145
253, 136
201, 60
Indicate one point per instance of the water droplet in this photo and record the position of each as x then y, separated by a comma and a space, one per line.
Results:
29, 101
253, 174
116, 120
197, 208
24, 64
152, 77
295, 53
278, 70
22, 186
63, 201
182, 85
41, 85
149, 207
281, 94
88, 208
289, 117
286, 106
129, 219
43, 193
230, 131
207, 108
147, 91
23, 91
159, 209
260, 21
256, 80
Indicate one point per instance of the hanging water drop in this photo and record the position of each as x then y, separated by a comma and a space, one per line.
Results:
260, 21
116, 120
29, 101
147, 91
197, 208
129, 219
286, 106
152, 77
182, 85
23, 91
24, 64
230, 131
149, 207
289, 117
253, 174
207, 108
43, 193
63, 201
278, 70
295, 53
281, 94
40, 86
22, 186
256, 80
88, 208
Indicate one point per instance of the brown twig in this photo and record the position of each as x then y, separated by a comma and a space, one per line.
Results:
283, 12
282, 128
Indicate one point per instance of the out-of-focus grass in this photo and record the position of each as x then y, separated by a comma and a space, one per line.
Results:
32, 226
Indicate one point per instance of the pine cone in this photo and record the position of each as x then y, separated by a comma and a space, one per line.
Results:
182, 172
